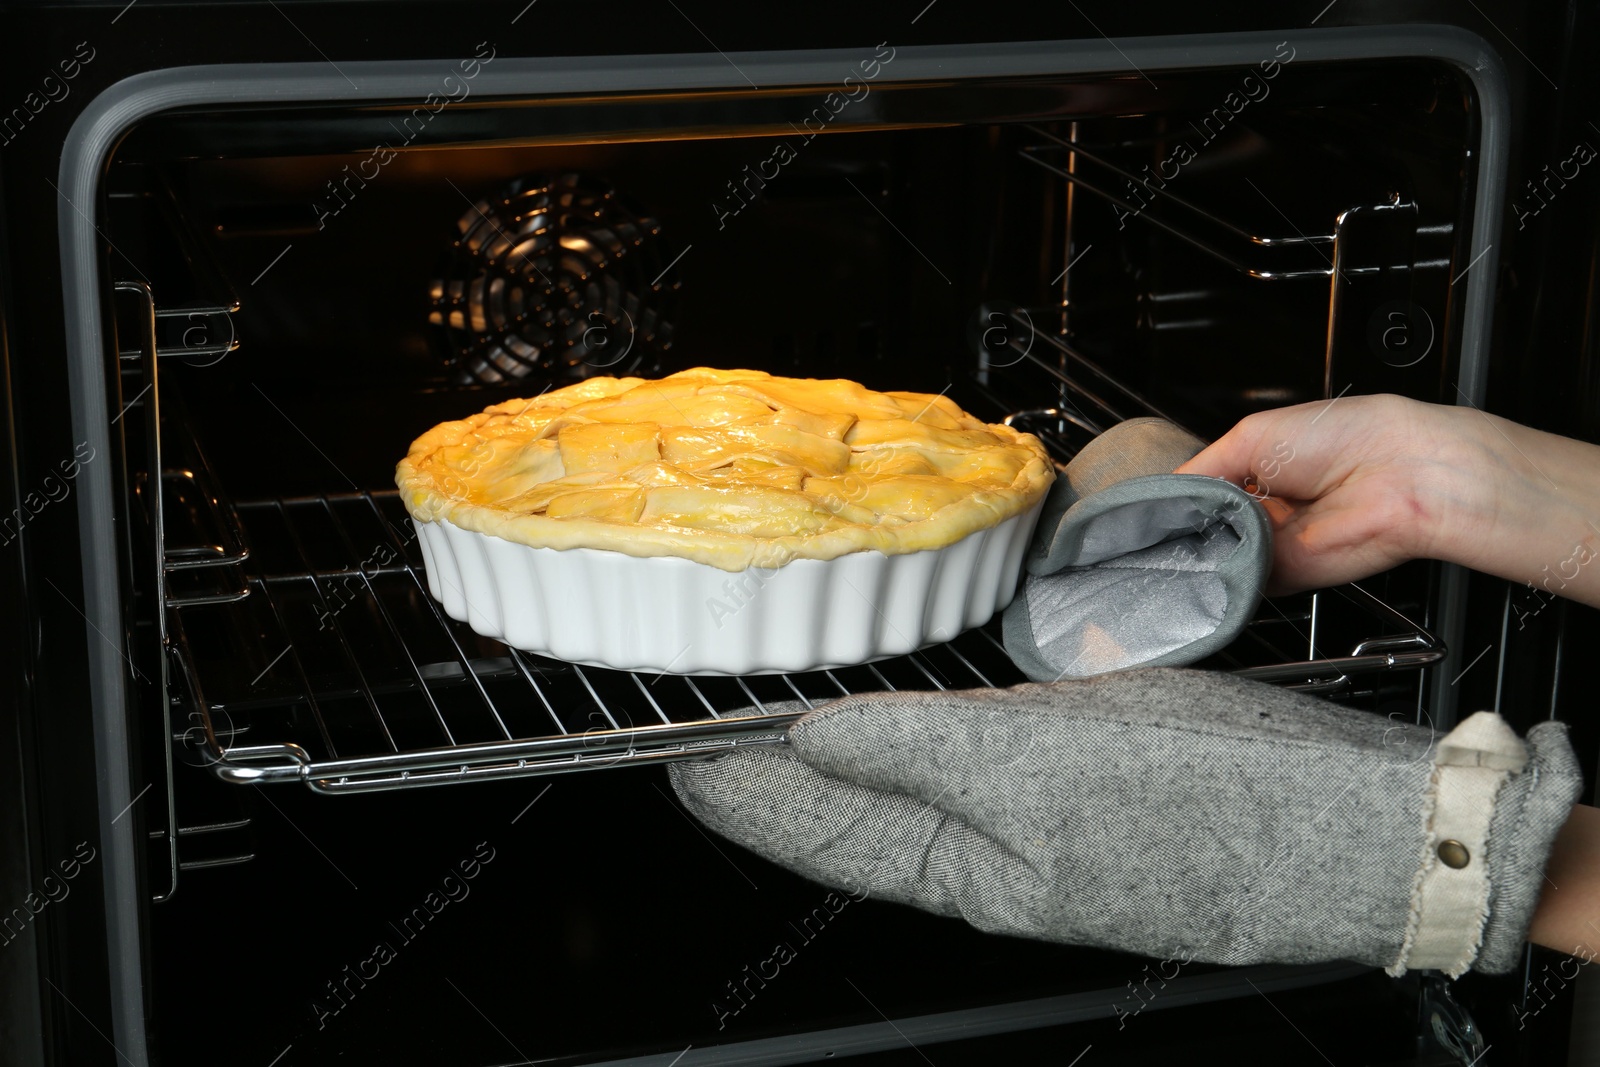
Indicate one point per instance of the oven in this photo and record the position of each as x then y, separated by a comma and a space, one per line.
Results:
270, 804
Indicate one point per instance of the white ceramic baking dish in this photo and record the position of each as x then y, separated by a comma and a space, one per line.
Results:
672, 615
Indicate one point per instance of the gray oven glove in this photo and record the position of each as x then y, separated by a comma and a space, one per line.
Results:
1178, 814
1133, 565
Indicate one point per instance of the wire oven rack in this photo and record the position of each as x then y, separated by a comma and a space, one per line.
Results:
338, 670
382, 691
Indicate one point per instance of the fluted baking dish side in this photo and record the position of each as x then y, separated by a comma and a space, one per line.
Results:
607, 609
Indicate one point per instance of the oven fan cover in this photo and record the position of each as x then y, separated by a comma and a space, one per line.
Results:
556, 278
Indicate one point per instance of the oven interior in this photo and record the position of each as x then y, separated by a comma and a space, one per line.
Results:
300, 292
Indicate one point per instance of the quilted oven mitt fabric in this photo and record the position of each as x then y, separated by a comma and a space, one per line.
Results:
1178, 814
1133, 565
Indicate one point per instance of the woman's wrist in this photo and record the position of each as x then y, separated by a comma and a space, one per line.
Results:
1512, 501
1456, 475
1564, 919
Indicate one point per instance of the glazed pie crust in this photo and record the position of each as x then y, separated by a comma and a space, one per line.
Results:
731, 468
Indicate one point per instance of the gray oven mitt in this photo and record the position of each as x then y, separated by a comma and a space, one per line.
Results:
1133, 565
1178, 814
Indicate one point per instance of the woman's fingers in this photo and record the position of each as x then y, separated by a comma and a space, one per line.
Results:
1229, 457
1286, 452
1348, 534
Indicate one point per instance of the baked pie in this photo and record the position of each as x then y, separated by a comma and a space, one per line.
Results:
598, 523
733, 468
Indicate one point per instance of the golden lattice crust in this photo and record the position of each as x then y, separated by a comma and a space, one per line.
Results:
734, 468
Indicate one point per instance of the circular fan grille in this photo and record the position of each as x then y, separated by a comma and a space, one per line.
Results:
555, 277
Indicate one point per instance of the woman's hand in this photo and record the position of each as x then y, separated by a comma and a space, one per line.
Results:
1359, 484
1353, 487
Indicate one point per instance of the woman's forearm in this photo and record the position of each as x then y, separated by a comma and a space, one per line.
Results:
1524, 505
1521, 504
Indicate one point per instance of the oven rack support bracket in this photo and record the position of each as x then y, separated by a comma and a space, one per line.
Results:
1253, 251
193, 484
200, 334
188, 480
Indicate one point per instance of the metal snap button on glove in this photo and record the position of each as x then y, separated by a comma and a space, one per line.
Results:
1133, 565
1160, 812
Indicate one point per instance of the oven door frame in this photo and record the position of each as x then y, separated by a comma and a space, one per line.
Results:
117, 109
